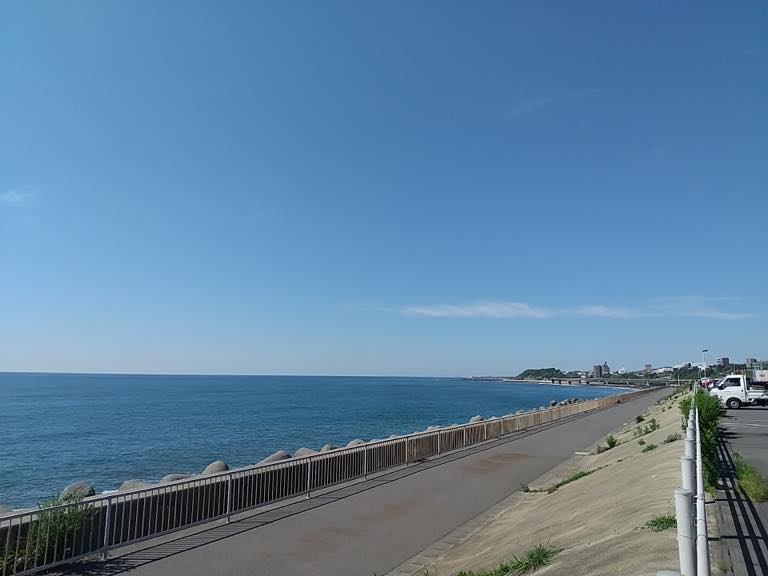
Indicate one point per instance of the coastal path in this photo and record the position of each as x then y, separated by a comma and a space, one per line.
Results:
370, 527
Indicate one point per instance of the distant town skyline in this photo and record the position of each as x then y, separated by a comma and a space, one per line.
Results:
325, 188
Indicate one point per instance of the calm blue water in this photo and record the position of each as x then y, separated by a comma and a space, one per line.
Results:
60, 428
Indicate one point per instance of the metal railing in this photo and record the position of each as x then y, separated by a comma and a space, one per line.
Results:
690, 508
39, 539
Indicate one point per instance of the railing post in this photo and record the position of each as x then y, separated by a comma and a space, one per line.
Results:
702, 536
107, 530
438, 442
687, 466
464, 437
407, 451
309, 475
229, 498
365, 462
485, 430
685, 536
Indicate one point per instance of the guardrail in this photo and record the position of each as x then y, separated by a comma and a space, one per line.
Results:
692, 536
39, 539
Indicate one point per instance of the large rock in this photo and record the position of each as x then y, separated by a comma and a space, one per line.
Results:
174, 477
355, 442
304, 451
432, 428
476, 419
78, 490
276, 457
329, 447
553, 402
215, 468
5, 509
134, 485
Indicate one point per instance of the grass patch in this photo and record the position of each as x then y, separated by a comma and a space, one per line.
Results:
672, 438
531, 560
749, 480
648, 448
661, 522
641, 441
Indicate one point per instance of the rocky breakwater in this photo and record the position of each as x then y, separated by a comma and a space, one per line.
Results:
81, 490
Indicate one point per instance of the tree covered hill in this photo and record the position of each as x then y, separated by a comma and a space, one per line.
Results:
541, 373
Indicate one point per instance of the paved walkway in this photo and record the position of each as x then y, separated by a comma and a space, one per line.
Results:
371, 527
744, 523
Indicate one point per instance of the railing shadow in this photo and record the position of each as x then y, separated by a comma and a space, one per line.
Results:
750, 533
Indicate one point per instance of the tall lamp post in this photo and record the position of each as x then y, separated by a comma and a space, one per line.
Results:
704, 363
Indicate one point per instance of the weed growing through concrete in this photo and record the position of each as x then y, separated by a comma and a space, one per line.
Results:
648, 448
661, 522
531, 560
671, 438
652, 426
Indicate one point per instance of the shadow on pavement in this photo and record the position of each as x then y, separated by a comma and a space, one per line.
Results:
742, 529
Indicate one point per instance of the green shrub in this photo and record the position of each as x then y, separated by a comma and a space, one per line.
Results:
51, 534
639, 418
710, 411
611, 441
641, 441
649, 448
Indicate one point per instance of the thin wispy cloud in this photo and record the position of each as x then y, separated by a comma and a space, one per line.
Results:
526, 106
479, 310
683, 306
698, 307
607, 312
19, 196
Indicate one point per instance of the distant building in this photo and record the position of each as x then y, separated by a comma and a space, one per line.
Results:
665, 370
597, 371
724, 361
648, 367
606, 369
751, 362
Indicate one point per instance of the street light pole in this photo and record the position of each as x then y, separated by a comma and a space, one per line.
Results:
704, 363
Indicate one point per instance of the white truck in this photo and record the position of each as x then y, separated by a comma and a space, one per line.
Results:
737, 390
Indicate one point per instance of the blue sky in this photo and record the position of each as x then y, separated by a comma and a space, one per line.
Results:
437, 188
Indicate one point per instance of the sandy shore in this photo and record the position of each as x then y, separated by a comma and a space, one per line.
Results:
598, 520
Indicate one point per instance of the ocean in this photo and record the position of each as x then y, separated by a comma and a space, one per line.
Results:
61, 428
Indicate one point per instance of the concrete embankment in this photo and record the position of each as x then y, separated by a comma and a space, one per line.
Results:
599, 521
373, 526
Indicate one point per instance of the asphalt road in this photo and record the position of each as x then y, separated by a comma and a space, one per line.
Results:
372, 527
744, 523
